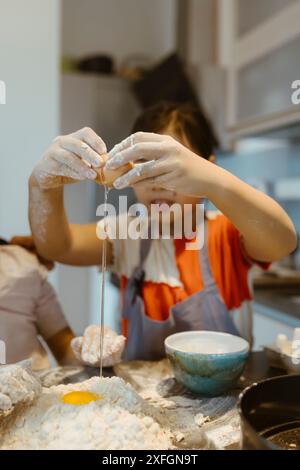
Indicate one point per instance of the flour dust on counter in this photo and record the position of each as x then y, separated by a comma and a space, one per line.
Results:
112, 417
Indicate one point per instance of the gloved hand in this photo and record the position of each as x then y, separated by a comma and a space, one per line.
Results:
87, 347
70, 158
166, 164
17, 384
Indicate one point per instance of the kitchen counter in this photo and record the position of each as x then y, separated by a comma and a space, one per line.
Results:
278, 289
284, 300
257, 368
197, 422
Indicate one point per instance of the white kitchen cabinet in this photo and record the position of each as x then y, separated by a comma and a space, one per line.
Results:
287, 189
268, 323
259, 47
253, 13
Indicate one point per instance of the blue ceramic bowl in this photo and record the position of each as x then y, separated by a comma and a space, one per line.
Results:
207, 362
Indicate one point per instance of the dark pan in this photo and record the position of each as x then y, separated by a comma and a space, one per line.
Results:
270, 414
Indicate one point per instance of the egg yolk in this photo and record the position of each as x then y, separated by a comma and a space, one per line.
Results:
80, 398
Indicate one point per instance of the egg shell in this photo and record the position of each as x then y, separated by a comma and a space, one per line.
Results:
107, 177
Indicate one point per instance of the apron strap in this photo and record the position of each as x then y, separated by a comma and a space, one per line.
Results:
136, 280
138, 274
207, 276
145, 245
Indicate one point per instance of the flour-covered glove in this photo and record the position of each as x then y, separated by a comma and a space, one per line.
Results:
166, 164
70, 158
17, 384
87, 347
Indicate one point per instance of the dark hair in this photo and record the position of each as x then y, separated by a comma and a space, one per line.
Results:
187, 121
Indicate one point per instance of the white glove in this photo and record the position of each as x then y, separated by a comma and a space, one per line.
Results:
87, 347
69, 159
17, 384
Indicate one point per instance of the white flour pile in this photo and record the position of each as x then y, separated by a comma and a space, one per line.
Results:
116, 422
17, 384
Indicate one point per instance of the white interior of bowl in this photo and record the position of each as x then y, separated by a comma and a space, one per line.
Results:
206, 342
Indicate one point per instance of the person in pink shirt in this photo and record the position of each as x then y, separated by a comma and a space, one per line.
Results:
32, 317
30, 313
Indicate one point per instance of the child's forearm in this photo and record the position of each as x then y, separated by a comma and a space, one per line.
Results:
268, 232
48, 221
55, 238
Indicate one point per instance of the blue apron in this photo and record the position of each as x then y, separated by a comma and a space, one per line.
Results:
204, 310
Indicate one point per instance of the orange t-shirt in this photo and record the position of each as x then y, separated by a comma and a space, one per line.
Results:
178, 274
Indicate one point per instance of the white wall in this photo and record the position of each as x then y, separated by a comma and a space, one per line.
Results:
119, 27
29, 57
201, 32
